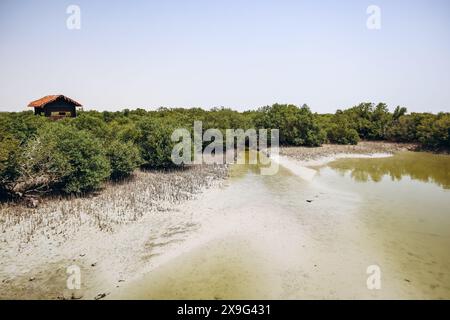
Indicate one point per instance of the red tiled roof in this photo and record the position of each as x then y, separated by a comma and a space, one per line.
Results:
47, 99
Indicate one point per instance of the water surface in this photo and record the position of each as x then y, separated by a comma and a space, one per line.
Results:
270, 237
406, 209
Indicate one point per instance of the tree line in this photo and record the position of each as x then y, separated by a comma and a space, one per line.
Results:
76, 155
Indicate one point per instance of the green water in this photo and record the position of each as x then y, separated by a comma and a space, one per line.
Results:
416, 166
405, 206
406, 189
271, 237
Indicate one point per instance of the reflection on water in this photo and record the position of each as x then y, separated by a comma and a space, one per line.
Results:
405, 206
424, 167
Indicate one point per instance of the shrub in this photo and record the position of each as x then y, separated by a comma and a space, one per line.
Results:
403, 130
123, 157
369, 120
95, 125
298, 126
434, 131
21, 125
9, 156
77, 155
126, 131
85, 155
155, 142
340, 130
41, 166
311, 134
342, 135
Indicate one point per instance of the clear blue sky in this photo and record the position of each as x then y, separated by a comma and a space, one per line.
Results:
239, 54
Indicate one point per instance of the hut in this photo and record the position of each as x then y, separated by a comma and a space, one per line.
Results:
55, 106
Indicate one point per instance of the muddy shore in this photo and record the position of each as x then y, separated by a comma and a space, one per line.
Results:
100, 233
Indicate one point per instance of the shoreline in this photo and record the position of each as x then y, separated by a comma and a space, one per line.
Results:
329, 152
305, 169
109, 258
302, 160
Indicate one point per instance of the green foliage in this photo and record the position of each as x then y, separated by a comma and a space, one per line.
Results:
89, 122
369, 120
9, 157
340, 130
76, 155
124, 158
21, 125
41, 166
434, 131
125, 131
380, 120
85, 155
405, 128
342, 135
399, 112
298, 126
155, 142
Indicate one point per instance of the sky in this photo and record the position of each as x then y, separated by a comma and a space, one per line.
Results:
238, 54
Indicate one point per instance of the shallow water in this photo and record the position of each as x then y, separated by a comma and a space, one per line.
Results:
279, 236
406, 207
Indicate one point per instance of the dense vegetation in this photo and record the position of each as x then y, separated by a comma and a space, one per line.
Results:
78, 155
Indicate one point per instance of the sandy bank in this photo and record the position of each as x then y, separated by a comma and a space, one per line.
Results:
328, 152
299, 160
